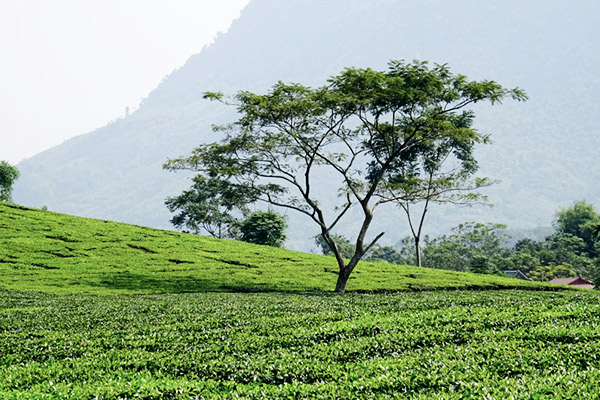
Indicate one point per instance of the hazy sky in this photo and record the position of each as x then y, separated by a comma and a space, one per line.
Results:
71, 66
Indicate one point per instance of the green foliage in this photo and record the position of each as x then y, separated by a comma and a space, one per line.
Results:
435, 172
545, 273
385, 253
569, 251
293, 135
376, 253
595, 276
435, 345
344, 247
264, 227
209, 206
56, 253
472, 246
580, 220
481, 248
559, 256
8, 174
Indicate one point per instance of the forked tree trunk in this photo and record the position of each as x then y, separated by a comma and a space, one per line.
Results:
360, 249
340, 286
344, 274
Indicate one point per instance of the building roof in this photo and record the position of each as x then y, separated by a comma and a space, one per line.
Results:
516, 273
577, 281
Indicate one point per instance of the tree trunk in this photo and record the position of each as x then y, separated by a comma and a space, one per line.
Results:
340, 286
344, 275
418, 251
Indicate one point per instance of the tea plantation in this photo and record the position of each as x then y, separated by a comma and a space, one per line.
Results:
92, 309
57, 253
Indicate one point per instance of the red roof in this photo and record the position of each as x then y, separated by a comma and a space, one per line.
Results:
573, 281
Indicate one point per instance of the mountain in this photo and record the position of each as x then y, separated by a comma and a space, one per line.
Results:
545, 151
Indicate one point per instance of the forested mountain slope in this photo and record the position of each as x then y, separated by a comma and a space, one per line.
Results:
545, 151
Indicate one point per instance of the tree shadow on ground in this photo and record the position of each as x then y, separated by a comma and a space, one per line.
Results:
175, 284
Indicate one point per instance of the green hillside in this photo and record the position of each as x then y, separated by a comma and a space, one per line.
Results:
57, 253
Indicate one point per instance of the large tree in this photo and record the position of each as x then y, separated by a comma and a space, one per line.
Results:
8, 174
292, 136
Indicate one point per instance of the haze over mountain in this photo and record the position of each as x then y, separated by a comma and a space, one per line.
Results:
545, 151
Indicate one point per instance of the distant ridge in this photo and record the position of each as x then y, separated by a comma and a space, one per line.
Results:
544, 151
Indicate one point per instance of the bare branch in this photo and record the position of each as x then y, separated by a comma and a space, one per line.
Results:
373, 242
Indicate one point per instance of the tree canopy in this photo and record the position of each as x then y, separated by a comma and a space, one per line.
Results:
580, 220
362, 119
210, 206
472, 246
8, 174
264, 227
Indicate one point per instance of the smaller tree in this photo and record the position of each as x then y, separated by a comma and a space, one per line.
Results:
345, 248
209, 206
264, 227
436, 172
8, 174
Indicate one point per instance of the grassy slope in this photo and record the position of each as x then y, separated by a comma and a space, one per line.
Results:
57, 253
